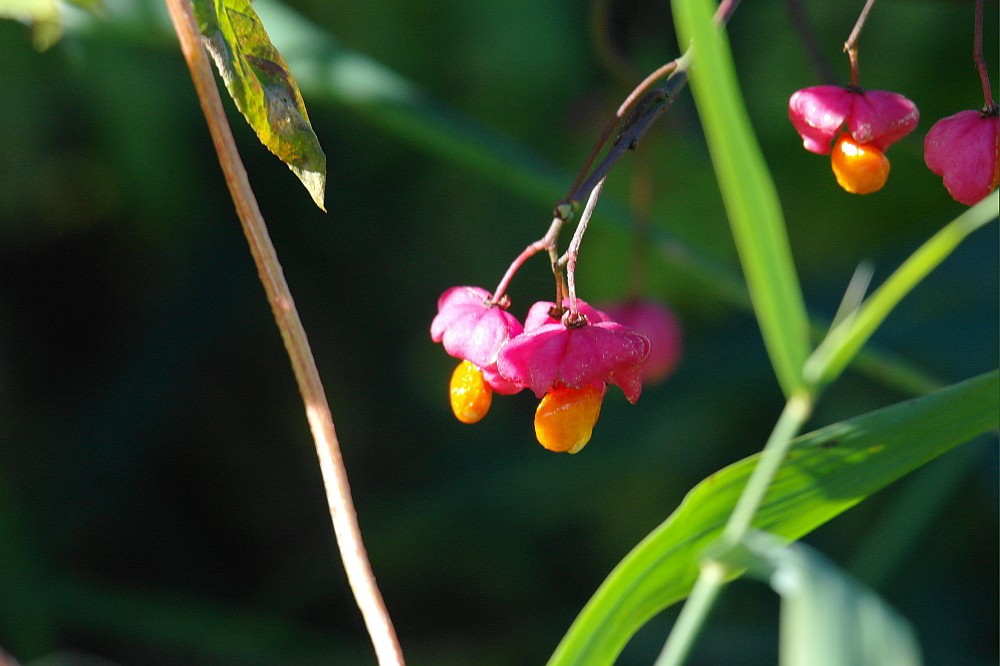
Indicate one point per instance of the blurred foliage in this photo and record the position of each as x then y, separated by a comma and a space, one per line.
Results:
159, 497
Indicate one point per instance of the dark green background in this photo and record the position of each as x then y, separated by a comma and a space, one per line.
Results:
160, 501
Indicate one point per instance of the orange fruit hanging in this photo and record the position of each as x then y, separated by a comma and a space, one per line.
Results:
565, 418
470, 395
859, 168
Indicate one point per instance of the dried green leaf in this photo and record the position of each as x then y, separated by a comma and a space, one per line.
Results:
259, 81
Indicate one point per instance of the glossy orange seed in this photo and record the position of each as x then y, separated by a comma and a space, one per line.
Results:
859, 168
470, 395
565, 418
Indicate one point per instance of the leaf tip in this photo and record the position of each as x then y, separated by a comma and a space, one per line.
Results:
315, 184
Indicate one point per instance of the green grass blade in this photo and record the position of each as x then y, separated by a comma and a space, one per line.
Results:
845, 340
748, 192
825, 473
827, 617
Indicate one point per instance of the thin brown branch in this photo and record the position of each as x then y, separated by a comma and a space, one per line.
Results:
609, 129
977, 54
851, 45
637, 113
338, 492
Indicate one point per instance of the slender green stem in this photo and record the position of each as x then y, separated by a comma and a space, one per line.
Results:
712, 577
699, 603
846, 339
795, 414
836, 350
713, 574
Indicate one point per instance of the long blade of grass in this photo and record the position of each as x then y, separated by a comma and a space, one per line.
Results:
846, 339
827, 617
824, 474
748, 192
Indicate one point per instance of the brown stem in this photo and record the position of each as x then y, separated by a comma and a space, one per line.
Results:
643, 106
637, 114
613, 124
851, 45
544, 243
338, 492
977, 54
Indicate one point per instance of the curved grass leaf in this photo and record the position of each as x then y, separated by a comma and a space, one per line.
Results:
825, 473
845, 339
259, 81
827, 617
748, 192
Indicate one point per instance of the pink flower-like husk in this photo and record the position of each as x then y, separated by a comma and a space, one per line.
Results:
553, 355
660, 326
964, 149
499, 383
471, 330
876, 117
538, 314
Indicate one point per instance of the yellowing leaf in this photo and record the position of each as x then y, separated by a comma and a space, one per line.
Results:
259, 81
43, 15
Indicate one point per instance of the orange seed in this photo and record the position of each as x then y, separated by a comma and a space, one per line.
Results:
565, 418
470, 394
859, 168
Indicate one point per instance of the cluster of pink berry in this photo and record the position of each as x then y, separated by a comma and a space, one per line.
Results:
566, 358
856, 126
568, 352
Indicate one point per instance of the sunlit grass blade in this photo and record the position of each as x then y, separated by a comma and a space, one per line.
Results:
827, 617
748, 192
846, 339
824, 474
